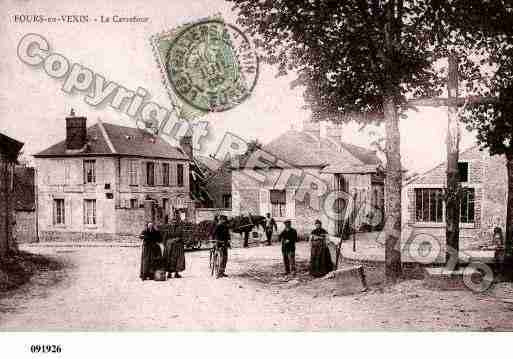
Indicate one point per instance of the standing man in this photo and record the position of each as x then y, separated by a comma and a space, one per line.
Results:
222, 238
270, 226
288, 238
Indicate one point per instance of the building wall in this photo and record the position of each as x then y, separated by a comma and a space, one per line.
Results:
6, 204
218, 185
252, 195
25, 228
63, 178
487, 175
207, 214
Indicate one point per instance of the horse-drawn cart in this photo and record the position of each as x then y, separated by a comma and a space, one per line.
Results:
194, 235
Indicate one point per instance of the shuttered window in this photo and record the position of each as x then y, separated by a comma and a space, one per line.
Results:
179, 175
165, 174
132, 172
150, 173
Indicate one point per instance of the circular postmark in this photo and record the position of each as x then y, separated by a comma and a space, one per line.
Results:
212, 66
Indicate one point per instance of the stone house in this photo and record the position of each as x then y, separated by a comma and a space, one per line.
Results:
339, 165
9, 151
483, 203
105, 181
218, 181
25, 204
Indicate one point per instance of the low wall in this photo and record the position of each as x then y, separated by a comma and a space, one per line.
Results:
25, 228
64, 236
130, 222
204, 214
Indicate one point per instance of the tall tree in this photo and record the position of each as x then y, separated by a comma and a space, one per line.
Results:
357, 57
493, 120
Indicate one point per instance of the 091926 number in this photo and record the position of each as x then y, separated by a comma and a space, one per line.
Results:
47, 348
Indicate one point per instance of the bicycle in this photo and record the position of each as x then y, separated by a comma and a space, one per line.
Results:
215, 260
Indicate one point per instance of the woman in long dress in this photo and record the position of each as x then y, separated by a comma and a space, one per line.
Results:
174, 250
151, 252
320, 259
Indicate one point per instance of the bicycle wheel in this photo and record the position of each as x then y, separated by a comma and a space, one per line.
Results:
217, 263
211, 262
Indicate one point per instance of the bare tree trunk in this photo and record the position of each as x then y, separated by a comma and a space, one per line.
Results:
4, 209
393, 184
452, 207
509, 220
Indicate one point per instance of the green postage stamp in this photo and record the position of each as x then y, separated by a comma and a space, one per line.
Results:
209, 64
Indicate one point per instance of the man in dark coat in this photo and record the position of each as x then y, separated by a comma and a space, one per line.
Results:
270, 226
288, 238
222, 238
151, 253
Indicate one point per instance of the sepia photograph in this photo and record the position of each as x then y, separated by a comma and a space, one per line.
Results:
255, 167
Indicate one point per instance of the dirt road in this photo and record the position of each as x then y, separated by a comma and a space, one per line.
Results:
100, 290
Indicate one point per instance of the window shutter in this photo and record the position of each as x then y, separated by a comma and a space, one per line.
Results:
67, 212
264, 202
125, 172
158, 174
291, 203
53, 217
172, 174
186, 175
143, 173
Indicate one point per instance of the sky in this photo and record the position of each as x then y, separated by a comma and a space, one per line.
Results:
33, 106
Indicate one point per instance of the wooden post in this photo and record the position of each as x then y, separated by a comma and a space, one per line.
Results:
452, 212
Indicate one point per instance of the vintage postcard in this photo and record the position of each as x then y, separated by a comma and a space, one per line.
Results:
254, 166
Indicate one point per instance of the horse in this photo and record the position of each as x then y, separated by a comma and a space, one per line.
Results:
242, 224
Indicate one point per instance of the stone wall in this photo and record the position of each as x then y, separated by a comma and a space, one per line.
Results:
207, 214
219, 185
130, 222
86, 236
487, 175
25, 229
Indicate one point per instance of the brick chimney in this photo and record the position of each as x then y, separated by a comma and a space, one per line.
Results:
186, 144
312, 128
76, 132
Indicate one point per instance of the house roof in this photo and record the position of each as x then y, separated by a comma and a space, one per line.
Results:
424, 174
109, 139
10, 147
208, 163
302, 149
24, 195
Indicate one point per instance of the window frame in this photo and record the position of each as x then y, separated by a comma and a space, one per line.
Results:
467, 189
55, 216
278, 209
180, 175
148, 165
165, 174
86, 175
133, 179
93, 216
227, 199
